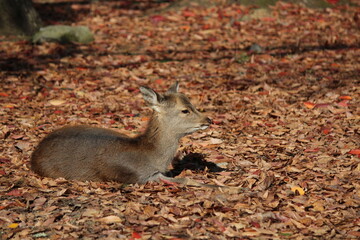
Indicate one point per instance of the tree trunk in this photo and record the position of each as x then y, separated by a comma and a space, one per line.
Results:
18, 17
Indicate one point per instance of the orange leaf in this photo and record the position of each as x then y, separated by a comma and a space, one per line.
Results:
81, 69
298, 189
186, 27
9, 105
309, 105
13, 225
2, 94
345, 97
354, 151
159, 81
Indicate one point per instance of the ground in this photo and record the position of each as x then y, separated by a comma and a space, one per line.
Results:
281, 86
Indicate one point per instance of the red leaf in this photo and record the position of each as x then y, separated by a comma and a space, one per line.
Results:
129, 127
136, 235
263, 93
332, 1
206, 26
283, 73
322, 105
2, 94
157, 18
17, 137
255, 224
312, 150
15, 192
187, 13
343, 103
325, 130
4, 160
168, 182
217, 122
212, 39
220, 225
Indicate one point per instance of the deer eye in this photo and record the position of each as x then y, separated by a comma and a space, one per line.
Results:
185, 111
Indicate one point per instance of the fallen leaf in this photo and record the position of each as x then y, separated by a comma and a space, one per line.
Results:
343, 103
215, 141
298, 190
91, 212
136, 235
57, 102
318, 206
354, 151
309, 105
354, 233
110, 219
13, 225
345, 97
15, 192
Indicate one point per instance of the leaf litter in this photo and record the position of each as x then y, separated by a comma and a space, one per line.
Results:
286, 121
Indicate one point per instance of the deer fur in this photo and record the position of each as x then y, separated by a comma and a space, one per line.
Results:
98, 154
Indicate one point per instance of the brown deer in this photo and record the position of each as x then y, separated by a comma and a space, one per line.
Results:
98, 154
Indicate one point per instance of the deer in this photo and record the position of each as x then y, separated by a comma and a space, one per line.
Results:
89, 153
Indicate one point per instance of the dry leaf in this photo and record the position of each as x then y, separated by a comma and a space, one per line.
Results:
110, 219
318, 206
285, 121
57, 102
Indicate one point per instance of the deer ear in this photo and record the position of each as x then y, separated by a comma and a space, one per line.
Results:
174, 88
150, 96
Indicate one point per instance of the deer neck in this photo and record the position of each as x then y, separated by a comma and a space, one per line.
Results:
161, 139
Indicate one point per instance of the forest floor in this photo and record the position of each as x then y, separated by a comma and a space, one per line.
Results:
283, 90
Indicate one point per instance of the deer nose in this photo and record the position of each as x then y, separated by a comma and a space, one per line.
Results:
209, 120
